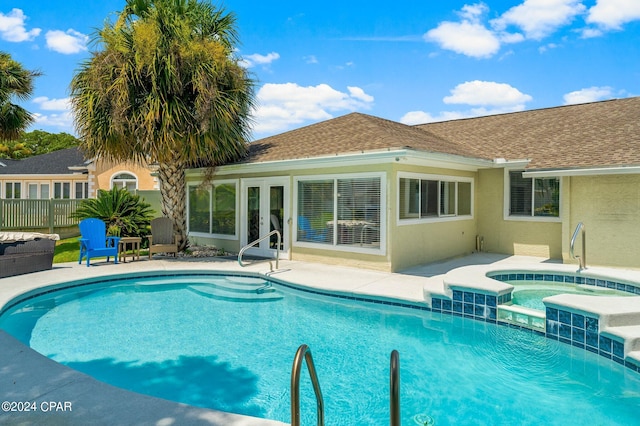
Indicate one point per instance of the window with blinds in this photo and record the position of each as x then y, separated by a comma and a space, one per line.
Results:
433, 198
341, 212
533, 196
316, 204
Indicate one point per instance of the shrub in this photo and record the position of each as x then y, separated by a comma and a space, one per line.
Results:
125, 214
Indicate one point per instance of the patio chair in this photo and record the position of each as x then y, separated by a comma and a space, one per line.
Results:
94, 241
308, 233
162, 238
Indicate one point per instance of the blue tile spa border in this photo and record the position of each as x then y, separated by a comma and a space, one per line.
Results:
575, 329
566, 278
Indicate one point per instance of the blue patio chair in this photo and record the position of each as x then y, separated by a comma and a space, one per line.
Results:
94, 241
310, 234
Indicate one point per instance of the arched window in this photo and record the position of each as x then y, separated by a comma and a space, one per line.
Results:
125, 180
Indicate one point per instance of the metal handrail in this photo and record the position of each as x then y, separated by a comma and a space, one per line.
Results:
394, 387
582, 259
304, 353
248, 246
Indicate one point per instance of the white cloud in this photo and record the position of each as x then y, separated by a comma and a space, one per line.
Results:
47, 104
12, 27
68, 42
487, 93
482, 97
421, 117
282, 106
311, 59
589, 94
358, 93
258, 59
612, 14
62, 121
539, 18
468, 37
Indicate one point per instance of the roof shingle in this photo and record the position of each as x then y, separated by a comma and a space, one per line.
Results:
597, 134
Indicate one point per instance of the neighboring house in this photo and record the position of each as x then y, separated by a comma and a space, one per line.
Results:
364, 191
65, 174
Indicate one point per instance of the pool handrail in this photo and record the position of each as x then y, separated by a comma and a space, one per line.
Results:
304, 352
583, 258
394, 387
253, 243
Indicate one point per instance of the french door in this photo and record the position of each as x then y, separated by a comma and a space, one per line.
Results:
265, 207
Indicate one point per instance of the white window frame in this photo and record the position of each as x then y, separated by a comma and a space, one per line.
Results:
61, 183
235, 235
124, 181
38, 185
85, 190
381, 250
440, 217
13, 189
521, 218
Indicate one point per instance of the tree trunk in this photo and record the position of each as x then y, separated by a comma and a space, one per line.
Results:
174, 198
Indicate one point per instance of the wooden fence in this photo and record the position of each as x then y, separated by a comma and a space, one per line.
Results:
37, 214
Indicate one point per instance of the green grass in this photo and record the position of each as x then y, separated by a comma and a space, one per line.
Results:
67, 250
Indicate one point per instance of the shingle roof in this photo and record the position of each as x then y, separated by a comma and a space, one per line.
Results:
350, 133
55, 163
597, 134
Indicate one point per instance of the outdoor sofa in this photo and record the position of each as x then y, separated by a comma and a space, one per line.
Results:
25, 252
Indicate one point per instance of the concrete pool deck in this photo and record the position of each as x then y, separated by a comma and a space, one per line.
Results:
28, 376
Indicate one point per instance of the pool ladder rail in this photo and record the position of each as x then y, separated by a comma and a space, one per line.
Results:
304, 353
583, 258
259, 240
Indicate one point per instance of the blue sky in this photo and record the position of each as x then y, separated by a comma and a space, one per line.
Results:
407, 61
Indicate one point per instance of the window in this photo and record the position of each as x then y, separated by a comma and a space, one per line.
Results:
126, 181
224, 209
38, 191
421, 198
44, 191
199, 209
340, 212
533, 196
12, 190
212, 210
61, 190
82, 190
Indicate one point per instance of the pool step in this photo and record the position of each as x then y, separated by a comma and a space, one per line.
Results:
231, 284
522, 316
229, 294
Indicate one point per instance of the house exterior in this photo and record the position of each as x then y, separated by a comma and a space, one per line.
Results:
65, 174
364, 191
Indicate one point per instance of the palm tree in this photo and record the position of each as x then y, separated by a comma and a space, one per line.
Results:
15, 81
166, 88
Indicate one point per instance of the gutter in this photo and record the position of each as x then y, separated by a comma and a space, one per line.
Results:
591, 171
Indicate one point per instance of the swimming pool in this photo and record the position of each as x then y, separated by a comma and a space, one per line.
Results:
179, 338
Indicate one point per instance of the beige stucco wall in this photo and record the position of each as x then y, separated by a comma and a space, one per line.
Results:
322, 255
105, 170
513, 237
420, 243
609, 206
406, 244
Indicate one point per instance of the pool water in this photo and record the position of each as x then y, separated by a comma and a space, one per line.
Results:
182, 341
530, 293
